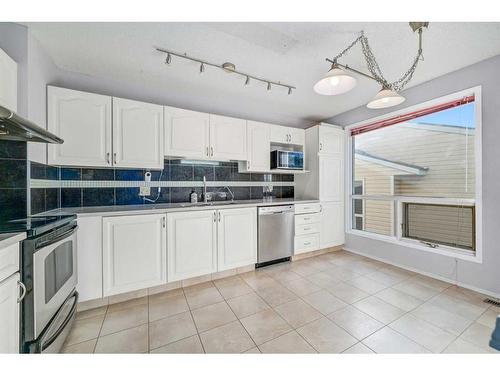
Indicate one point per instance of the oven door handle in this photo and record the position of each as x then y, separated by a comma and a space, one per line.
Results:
62, 236
50, 340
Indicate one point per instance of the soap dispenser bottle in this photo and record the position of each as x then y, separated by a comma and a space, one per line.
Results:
193, 197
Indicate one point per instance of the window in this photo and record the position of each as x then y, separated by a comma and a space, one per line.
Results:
414, 176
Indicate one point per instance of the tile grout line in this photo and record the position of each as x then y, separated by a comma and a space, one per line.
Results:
194, 323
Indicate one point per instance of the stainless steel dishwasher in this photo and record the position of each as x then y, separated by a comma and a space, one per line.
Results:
276, 234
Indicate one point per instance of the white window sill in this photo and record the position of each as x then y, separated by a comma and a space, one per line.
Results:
441, 250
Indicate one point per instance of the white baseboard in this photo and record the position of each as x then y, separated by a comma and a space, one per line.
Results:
445, 279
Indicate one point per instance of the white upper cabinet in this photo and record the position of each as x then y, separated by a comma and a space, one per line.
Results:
187, 133
83, 121
134, 252
137, 134
331, 179
192, 244
259, 146
8, 82
331, 141
9, 314
287, 135
236, 238
228, 138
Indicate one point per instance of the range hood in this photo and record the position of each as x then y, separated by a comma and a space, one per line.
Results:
15, 128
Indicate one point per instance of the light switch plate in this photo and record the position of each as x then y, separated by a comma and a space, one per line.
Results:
144, 191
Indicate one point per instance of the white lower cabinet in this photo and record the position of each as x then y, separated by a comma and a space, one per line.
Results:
192, 244
134, 252
236, 238
9, 314
332, 224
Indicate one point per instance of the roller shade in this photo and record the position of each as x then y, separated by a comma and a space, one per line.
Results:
411, 115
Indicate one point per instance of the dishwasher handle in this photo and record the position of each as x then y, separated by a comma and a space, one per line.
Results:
272, 210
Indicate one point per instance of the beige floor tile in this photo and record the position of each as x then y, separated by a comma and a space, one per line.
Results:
345, 274
303, 269
285, 276
289, 343
458, 306
379, 310
259, 281
397, 272
326, 337
254, 350
323, 279
91, 313
212, 316
430, 282
347, 293
162, 306
479, 335
385, 278
265, 325
171, 329
357, 323
416, 289
275, 296
202, 296
297, 313
124, 318
429, 336
85, 330
133, 340
127, 304
232, 287
229, 338
466, 295
488, 318
247, 304
128, 297
399, 299
301, 287
189, 345
460, 346
85, 347
389, 341
450, 322
358, 348
366, 285
324, 302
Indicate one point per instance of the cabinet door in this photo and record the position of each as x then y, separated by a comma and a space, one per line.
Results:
332, 224
8, 82
137, 134
228, 138
134, 253
192, 246
331, 178
89, 245
83, 121
259, 146
187, 133
297, 136
236, 238
9, 315
279, 134
331, 141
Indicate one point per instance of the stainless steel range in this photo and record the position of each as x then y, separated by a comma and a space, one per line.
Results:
49, 272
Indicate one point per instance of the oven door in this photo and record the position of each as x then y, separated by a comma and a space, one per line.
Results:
54, 277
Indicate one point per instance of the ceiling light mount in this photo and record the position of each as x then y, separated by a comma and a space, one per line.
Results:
227, 67
338, 80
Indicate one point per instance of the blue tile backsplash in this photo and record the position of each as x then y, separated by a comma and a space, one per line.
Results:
13, 180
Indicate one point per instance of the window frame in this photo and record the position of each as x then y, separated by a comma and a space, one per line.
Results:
397, 238
362, 215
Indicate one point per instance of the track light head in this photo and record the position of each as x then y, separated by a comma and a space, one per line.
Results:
269, 86
289, 91
202, 68
247, 81
168, 60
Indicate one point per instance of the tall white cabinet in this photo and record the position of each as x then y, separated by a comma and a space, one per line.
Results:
325, 161
8, 82
258, 146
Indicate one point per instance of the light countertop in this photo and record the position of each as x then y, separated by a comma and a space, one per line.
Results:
7, 239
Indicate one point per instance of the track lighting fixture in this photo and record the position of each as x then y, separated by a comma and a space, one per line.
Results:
227, 67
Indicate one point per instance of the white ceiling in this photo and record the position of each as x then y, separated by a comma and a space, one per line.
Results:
292, 53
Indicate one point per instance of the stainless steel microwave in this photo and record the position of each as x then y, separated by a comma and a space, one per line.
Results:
281, 159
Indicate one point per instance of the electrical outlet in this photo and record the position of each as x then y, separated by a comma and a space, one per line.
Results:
144, 191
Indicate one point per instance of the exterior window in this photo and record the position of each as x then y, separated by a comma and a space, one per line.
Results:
414, 176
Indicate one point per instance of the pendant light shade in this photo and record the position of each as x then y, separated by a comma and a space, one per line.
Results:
336, 81
385, 98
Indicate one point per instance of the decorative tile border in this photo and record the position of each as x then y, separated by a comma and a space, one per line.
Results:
47, 184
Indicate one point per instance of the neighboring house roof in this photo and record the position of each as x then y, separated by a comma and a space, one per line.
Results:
399, 166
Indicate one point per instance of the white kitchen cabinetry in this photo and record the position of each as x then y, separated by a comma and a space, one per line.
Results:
331, 141
134, 252
187, 133
228, 138
137, 134
192, 244
287, 135
307, 227
236, 238
331, 179
8, 82
83, 121
259, 146
332, 230
89, 252
9, 314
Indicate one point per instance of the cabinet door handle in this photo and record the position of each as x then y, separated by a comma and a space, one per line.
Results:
114, 157
215, 216
211, 151
107, 158
207, 150
164, 221
219, 216
23, 291
321, 146
306, 243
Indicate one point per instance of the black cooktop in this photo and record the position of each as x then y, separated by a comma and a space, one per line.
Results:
35, 225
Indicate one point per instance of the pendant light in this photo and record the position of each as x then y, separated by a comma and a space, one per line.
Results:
385, 98
336, 81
